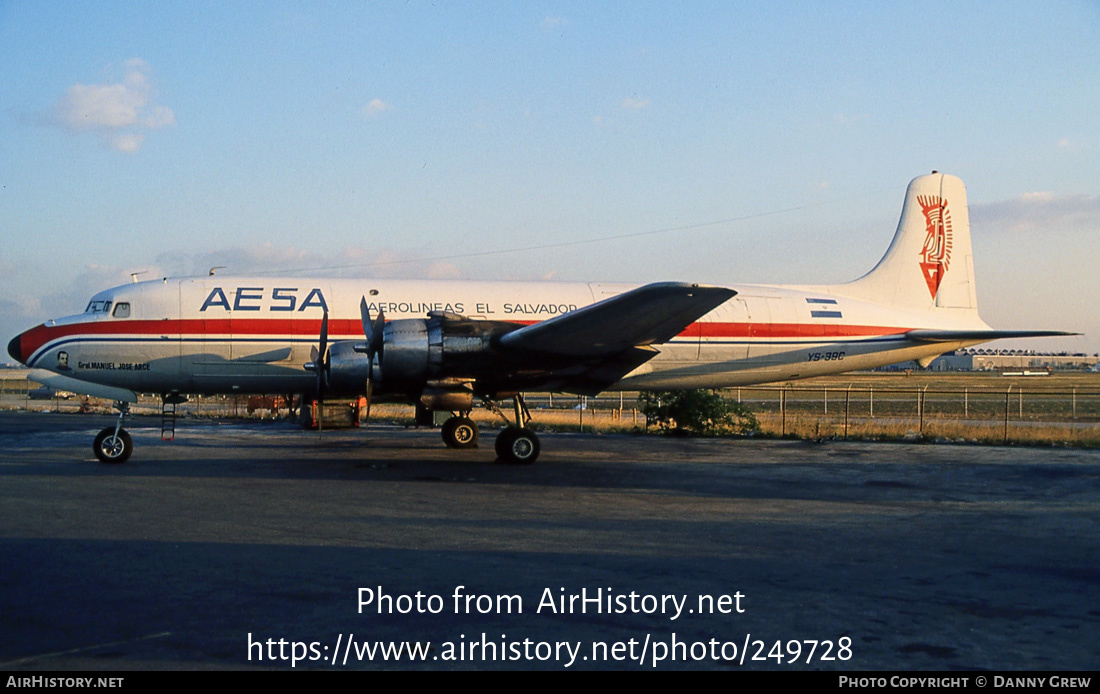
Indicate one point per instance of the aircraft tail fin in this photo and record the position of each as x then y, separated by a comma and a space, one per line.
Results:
929, 264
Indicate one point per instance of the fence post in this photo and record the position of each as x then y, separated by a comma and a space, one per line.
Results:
966, 402
920, 408
826, 400
783, 410
1075, 402
872, 401
847, 397
1007, 392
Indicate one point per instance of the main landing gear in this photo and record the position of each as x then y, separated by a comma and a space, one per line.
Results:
460, 432
515, 445
518, 445
113, 444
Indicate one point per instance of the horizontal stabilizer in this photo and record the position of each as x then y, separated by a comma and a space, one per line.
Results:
648, 315
75, 385
982, 335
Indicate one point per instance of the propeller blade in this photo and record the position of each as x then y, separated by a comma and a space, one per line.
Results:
372, 328
364, 312
320, 358
374, 331
374, 340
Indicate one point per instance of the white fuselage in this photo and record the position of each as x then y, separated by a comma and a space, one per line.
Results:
254, 334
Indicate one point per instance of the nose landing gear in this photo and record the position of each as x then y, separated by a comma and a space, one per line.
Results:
113, 444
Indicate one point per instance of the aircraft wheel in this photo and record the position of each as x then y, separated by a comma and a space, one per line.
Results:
113, 449
517, 446
460, 432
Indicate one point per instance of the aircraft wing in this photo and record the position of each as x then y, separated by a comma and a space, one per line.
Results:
983, 335
644, 316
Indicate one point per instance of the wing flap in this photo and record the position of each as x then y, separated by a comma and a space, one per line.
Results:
648, 315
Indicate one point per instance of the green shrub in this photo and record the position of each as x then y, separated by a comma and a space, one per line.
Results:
703, 412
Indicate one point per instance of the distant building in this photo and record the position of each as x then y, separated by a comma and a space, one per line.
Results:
984, 359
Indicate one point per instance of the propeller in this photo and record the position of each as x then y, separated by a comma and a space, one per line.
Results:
319, 363
373, 331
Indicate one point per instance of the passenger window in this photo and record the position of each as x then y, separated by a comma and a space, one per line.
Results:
122, 310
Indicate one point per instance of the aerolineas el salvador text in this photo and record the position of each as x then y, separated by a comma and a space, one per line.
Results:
295, 299
551, 601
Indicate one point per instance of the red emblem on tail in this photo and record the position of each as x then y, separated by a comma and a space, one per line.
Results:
936, 254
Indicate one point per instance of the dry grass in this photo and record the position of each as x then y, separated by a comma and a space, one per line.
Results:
1061, 409
1085, 435
812, 427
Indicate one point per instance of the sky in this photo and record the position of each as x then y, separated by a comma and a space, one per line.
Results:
718, 142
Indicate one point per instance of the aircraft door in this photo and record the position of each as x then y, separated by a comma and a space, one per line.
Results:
174, 334
774, 324
159, 366
258, 347
759, 330
722, 332
210, 340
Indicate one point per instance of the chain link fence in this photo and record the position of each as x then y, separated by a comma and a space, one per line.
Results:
981, 409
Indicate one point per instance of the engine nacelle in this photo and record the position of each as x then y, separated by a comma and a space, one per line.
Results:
414, 351
348, 369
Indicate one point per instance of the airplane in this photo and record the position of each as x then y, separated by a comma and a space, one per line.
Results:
446, 344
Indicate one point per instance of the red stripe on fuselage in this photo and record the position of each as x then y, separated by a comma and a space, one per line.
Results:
791, 330
32, 340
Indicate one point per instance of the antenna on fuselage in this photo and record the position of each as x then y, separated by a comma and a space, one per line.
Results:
134, 275
216, 267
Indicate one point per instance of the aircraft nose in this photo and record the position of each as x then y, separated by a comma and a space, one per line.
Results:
15, 348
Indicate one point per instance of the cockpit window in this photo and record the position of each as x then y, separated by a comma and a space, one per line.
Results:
101, 306
122, 310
